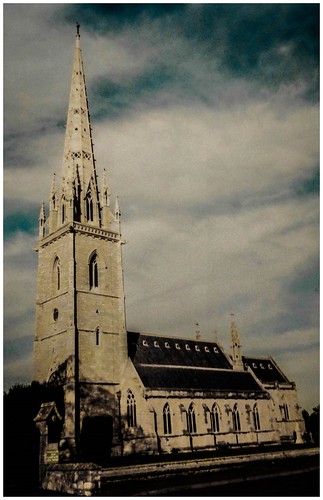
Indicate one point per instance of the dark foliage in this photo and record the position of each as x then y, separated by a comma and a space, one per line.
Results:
312, 425
21, 437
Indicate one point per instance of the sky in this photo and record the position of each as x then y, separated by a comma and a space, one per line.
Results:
206, 118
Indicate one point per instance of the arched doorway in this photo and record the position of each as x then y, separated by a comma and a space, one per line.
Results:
96, 438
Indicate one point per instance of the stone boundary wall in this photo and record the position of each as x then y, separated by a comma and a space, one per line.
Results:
74, 479
198, 465
85, 479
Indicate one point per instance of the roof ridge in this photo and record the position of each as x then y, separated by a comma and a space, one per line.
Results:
163, 336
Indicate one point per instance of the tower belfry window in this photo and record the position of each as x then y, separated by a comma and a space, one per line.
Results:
94, 272
63, 210
89, 208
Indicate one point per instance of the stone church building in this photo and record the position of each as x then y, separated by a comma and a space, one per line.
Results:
132, 392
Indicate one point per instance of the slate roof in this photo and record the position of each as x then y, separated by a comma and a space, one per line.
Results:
175, 378
151, 349
265, 369
167, 363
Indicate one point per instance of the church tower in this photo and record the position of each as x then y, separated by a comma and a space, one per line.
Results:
80, 337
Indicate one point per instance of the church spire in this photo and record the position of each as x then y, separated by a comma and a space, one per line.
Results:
78, 167
42, 221
236, 346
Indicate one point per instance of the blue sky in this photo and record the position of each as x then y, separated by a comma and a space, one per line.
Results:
206, 119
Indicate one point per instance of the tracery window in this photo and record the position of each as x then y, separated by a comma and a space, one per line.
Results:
167, 419
94, 272
131, 410
256, 420
215, 418
191, 419
236, 419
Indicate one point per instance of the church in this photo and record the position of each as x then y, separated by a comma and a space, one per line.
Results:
132, 392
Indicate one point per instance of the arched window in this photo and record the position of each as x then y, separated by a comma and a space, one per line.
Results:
57, 274
191, 420
97, 336
236, 419
215, 418
256, 420
89, 207
167, 419
131, 410
94, 272
63, 206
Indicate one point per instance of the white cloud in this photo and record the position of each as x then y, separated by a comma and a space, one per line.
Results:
194, 155
182, 172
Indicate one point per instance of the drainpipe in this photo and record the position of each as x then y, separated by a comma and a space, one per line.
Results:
156, 432
118, 394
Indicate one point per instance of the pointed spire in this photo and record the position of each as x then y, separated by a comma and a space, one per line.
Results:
117, 210
42, 215
42, 221
53, 190
78, 157
117, 214
105, 198
197, 332
53, 195
236, 346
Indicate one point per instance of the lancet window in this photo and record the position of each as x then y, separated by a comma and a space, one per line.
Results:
236, 419
284, 412
191, 419
131, 410
97, 336
167, 419
215, 418
94, 272
63, 210
89, 207
256, 420
57, 274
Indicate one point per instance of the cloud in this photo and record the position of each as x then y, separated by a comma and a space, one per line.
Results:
205, 117
19, 286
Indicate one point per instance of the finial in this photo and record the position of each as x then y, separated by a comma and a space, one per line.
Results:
77, 29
